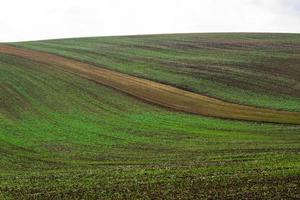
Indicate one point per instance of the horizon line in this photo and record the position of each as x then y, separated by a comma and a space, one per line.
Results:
150, 34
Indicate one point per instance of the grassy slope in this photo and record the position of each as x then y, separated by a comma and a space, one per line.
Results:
254, 69
66, 137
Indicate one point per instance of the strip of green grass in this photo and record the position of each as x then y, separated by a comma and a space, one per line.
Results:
255, 69
65, 137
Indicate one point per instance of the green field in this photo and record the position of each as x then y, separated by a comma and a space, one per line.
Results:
65, 137
253, 69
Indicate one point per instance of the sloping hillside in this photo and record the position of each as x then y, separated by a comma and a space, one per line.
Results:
253, 69
157, 93
63, 136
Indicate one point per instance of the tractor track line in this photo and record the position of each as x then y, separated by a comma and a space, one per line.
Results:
158, 93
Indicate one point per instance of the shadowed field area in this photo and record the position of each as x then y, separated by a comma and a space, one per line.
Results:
63, 136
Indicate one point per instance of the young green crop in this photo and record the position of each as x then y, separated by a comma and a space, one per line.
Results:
65, 137
254, 69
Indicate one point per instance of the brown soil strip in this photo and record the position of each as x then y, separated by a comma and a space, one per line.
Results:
158, 93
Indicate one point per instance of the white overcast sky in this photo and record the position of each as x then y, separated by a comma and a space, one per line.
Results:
44, 19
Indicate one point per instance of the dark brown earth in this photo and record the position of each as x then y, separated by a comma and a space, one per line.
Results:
157, 93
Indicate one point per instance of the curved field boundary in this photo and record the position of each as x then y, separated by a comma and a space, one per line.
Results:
158, 93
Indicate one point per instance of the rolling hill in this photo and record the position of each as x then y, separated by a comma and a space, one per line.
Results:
161, 94
252, 69
67, 134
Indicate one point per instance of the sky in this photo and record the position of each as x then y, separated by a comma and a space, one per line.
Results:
22, 20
